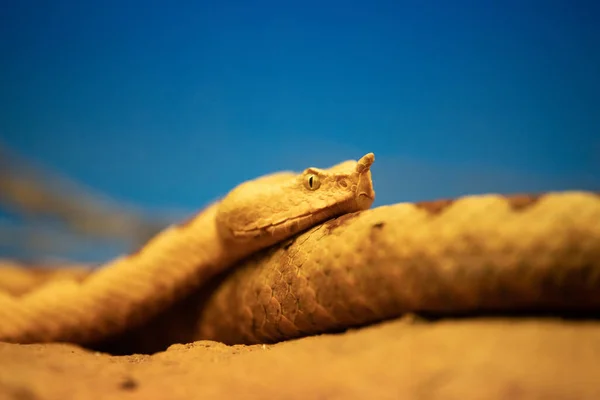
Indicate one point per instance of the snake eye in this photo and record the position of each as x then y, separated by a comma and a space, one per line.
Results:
312, 182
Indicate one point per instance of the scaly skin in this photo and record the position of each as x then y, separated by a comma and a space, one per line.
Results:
132, 289
475, 253
486, 253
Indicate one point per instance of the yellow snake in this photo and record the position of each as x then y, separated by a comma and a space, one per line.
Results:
254, 215
310, 257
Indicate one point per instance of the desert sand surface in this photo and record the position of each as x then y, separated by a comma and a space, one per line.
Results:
478, 358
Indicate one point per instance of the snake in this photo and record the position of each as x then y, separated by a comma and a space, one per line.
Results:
297, 254
254, 215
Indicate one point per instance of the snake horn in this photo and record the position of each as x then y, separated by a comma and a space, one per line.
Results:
365, 162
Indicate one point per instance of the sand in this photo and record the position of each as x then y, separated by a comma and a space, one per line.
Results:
500, 358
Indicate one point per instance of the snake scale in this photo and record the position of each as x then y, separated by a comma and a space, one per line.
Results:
311, 257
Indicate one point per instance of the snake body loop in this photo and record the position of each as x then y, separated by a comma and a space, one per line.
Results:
130, 290
311, 257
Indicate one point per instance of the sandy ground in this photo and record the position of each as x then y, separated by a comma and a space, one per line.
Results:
409, 359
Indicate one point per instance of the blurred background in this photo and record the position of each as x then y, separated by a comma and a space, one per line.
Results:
118, 118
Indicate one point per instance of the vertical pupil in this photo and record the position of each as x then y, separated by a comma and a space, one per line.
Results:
310, 181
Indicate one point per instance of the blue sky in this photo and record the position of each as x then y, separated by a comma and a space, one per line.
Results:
168, 105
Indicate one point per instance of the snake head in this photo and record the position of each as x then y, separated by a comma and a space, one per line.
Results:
274, 207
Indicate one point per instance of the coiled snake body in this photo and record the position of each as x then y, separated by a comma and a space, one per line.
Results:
312, 259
